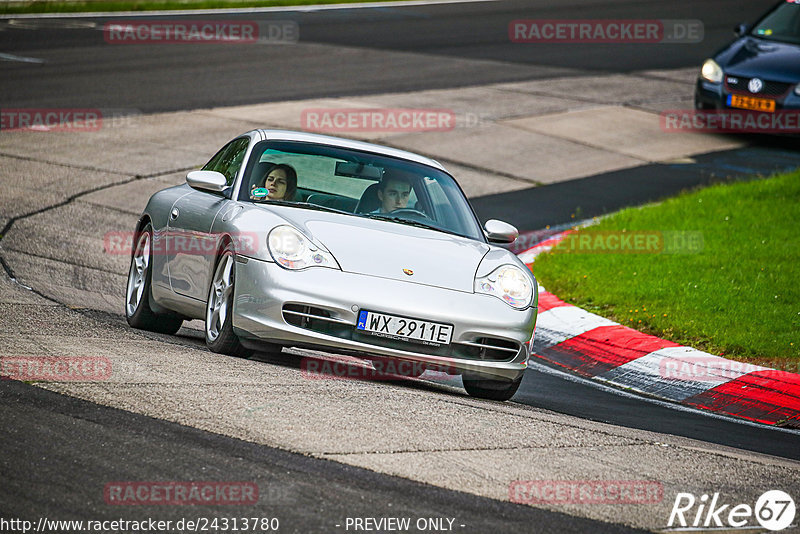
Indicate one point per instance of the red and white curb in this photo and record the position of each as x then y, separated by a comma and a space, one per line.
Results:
600, 349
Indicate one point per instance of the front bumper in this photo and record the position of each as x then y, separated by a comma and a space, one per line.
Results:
710, 95
270, 304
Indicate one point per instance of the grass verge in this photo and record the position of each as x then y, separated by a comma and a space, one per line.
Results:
153, 5
737, 296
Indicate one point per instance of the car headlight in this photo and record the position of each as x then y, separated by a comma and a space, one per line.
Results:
797, 89
711, 71
292, 250
508, 283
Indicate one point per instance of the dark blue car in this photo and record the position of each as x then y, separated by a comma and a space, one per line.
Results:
760, 70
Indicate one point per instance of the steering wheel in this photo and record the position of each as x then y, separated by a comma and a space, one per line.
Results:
409, 211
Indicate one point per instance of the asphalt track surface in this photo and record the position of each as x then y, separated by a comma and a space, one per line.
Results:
583, 399
340, 52
101, 444
604, 193
346, 53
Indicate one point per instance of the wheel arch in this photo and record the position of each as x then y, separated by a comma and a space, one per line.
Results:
143, 221
224, 240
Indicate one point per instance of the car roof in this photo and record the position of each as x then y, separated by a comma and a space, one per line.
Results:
288, 135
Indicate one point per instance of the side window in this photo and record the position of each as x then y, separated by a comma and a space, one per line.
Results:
228, 160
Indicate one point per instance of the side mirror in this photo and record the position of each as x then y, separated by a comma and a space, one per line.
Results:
207, 181
741, 29
500, 232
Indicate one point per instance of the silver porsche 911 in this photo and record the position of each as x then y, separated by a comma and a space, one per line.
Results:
288, 239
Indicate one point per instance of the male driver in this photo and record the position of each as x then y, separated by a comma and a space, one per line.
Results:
393, 193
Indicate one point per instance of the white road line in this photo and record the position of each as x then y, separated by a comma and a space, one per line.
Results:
48, 24
23, 59
226, 11
539, 367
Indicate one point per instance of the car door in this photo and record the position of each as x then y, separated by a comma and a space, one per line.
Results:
191, 246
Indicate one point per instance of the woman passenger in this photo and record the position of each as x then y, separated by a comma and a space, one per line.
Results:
280, 181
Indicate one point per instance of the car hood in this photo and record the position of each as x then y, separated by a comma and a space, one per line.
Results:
385, 249
770, 60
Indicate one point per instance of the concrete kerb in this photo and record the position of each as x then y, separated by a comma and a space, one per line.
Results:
605, 351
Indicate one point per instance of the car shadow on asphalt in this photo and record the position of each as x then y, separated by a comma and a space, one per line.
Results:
314, 365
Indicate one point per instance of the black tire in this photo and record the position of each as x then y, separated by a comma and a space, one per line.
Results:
220, 337
138, 312
499, 390
702, 106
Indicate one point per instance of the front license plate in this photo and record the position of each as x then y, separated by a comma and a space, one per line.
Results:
404, 329
748, 102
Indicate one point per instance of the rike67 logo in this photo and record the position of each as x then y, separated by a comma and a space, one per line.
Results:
774, 510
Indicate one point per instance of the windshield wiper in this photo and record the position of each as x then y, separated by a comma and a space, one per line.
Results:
410, 222
389, 218
777, 39
306, 205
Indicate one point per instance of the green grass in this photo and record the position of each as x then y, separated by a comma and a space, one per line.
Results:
151, 5
738, 297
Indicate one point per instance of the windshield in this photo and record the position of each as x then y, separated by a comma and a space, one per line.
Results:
782, 24
359, 184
